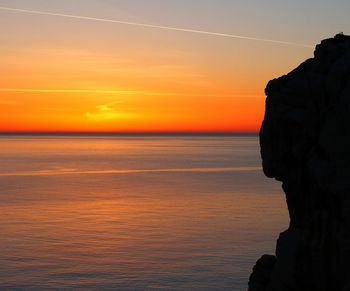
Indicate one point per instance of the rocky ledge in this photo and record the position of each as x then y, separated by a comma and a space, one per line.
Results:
305, 144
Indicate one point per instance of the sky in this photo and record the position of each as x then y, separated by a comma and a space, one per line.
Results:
152, 65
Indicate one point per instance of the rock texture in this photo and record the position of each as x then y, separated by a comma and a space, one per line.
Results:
305, 143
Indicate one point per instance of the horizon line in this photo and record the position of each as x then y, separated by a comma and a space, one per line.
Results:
128, 133
70, 172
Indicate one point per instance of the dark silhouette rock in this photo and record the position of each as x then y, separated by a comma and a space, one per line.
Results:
305, 143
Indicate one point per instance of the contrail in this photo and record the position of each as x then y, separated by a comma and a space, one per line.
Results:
147, 25
86, 91
128, 92
72, 91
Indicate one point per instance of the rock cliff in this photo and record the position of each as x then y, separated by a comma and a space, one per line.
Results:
305, 144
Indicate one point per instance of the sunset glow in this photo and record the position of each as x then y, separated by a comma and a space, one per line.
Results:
62, 72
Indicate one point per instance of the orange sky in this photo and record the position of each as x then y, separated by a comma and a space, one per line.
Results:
72, 75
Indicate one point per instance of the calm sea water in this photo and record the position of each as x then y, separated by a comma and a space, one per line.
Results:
134, 213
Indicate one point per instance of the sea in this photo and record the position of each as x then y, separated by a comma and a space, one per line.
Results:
134, 212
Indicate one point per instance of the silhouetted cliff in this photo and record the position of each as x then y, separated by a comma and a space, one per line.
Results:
305, 143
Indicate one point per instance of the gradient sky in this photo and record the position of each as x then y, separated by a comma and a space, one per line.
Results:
65, 74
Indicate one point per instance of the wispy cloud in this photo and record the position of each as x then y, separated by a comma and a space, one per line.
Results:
9, 102
57, 109
108, 112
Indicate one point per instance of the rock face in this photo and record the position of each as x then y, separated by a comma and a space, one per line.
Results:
305, 143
